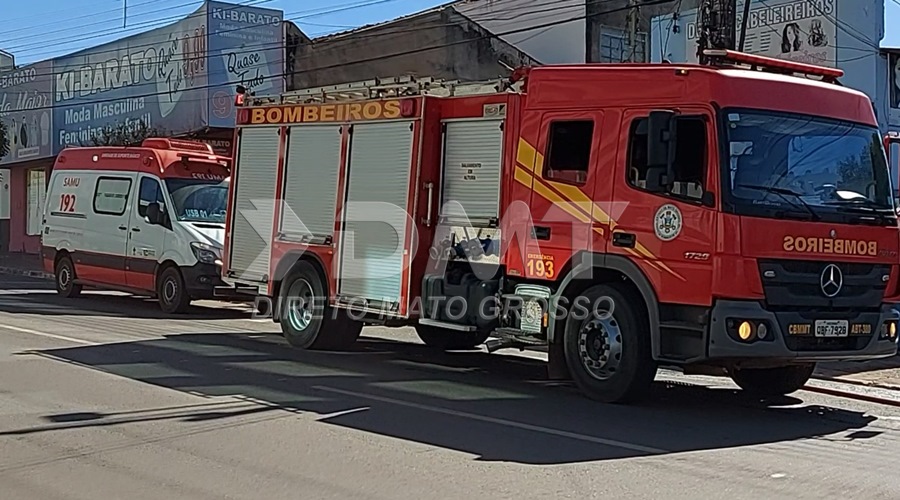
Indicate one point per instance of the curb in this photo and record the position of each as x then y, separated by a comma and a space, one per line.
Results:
15, 271
860, 383
853, 395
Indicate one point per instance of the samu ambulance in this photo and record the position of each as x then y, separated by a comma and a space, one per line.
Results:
147, 220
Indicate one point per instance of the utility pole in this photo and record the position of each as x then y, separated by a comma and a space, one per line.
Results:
634, 14
744, 25
717, 26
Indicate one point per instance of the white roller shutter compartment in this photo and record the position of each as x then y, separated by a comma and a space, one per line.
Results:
473, 152
373, 238
254, 204
311, 180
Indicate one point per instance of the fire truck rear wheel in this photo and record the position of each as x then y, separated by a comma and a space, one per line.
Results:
607, 345
65, 278
450, 340
779, 381
306, 320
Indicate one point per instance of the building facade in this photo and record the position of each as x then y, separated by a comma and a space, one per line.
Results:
179, 79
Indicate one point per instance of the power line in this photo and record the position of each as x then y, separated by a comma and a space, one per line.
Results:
387, 56
308, 13
357, 36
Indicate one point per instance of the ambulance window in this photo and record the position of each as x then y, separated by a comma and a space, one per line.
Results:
690, 156
569, 151
151, 192
111, 195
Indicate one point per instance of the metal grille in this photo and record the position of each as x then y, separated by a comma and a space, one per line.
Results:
254, 204
372, 242
311, 179
473, 152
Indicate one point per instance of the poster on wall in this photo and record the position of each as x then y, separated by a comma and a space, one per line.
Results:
26, 110
894, 78
157, 79
245, 48
797, 30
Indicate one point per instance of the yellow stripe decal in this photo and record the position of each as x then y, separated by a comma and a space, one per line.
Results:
529, 172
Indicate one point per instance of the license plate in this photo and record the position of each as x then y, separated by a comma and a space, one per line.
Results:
832, 328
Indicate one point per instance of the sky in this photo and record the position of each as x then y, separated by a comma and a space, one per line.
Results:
36, 30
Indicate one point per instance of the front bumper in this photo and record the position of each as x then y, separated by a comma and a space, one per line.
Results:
801, 346
201, 280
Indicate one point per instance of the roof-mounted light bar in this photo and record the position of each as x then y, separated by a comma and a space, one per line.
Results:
772, 63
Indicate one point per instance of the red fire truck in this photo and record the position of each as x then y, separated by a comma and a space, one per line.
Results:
735, 217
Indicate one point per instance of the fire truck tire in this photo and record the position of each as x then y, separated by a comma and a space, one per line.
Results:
65, 278
170, 291
779, 381
309, 323
608, 354
450, 340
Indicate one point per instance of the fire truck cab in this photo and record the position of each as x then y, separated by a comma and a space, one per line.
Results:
731, 217
148, 220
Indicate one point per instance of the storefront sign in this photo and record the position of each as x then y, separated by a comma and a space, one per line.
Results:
26, 110
246, 48
796, 30
158, 77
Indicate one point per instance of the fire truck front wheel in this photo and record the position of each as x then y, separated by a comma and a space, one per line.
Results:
607, 345
779, 381
306, 320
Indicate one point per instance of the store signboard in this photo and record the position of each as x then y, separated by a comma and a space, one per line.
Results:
796, 30
26, 110
157, 78
245, 48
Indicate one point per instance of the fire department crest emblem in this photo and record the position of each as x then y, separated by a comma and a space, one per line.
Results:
667, 222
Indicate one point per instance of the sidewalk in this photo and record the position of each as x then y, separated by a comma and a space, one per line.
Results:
884, 373
23, 264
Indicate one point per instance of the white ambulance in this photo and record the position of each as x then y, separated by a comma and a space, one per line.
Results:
148, 220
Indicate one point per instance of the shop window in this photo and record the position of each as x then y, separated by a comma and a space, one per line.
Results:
111, 195
569, 151
36, 196
690, 157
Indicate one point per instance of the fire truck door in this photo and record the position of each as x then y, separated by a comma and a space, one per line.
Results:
564, 216
670, 235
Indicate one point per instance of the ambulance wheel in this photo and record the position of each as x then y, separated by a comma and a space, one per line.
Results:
450, 340
607, 347
65, 278
306, 319
171, 292
779, 381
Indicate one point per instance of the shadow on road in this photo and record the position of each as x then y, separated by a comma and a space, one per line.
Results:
37, 297
500, 408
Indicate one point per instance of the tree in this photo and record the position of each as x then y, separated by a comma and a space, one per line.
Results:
125, 134
4, 140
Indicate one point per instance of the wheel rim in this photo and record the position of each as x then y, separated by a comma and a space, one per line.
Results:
600, 347
300, 305
64, 276
170, 290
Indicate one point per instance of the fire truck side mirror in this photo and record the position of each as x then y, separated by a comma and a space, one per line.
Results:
661, 141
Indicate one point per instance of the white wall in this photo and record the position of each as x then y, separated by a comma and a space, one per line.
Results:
558, 44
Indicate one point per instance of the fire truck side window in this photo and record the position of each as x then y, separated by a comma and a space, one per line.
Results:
690, 156
569, 151
150, 192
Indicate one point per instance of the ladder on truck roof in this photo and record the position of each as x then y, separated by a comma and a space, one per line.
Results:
402, 86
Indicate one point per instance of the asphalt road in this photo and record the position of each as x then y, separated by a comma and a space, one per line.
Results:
103, 397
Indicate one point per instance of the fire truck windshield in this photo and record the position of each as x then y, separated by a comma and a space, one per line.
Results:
198, 200
796, 166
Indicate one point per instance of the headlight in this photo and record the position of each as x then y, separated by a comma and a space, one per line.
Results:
206, 254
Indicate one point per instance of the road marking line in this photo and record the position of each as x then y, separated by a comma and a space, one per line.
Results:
48, 335
499, 421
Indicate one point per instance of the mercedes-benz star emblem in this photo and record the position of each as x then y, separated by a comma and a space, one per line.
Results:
832, 280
